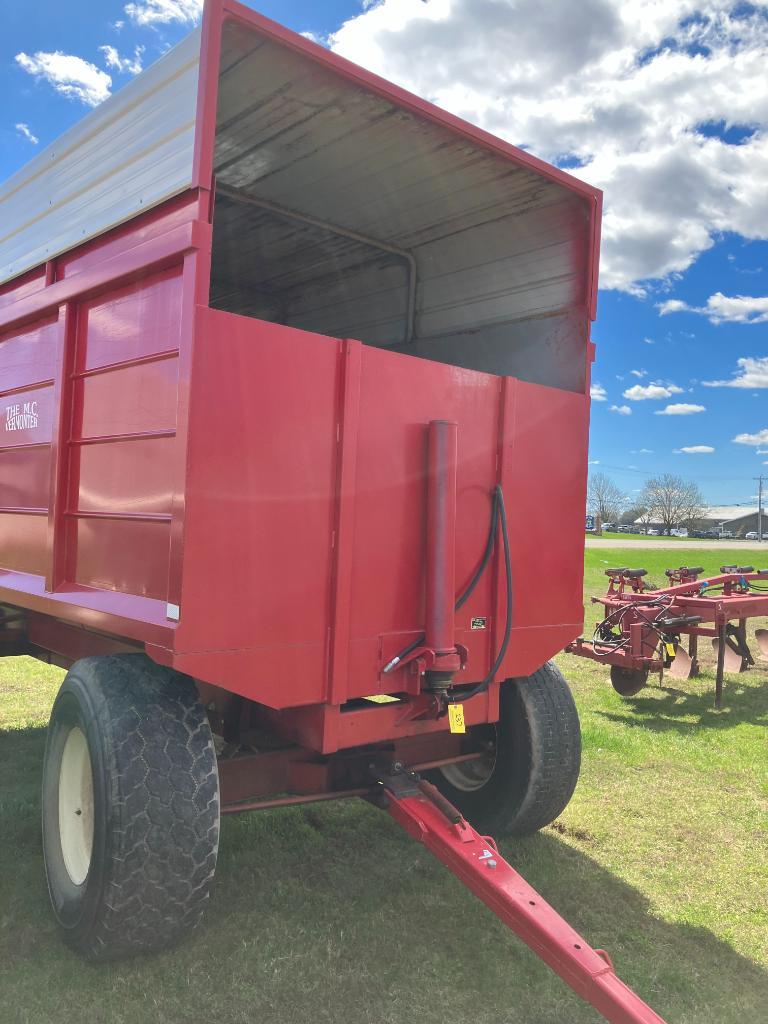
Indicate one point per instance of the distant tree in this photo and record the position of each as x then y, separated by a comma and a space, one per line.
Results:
604, 498
672, 501
631, 515
645, 517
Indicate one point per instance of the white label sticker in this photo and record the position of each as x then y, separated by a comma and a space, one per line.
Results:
22, 416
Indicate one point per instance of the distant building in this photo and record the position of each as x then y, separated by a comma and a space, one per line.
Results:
735, 519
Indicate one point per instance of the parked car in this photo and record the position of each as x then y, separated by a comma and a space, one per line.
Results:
752, 535
653, 533
726, 535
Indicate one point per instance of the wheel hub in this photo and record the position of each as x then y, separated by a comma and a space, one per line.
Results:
76, 806
471, 775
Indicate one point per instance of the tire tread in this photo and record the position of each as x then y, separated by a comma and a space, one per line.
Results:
163, 821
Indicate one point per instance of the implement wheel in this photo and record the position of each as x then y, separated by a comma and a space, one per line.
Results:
628, 681
130, 807
531, 763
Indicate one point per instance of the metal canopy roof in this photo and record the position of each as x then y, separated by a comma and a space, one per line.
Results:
129, 154
302, 128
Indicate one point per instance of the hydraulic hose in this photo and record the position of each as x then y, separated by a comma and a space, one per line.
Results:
498, 521
501, 519
469, 588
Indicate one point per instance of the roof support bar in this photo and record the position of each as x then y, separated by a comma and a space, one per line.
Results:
239, 196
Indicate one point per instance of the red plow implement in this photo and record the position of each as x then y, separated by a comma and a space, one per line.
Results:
644, 625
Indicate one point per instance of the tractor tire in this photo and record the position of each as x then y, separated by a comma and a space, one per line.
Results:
628, 681
130, 807
533, 759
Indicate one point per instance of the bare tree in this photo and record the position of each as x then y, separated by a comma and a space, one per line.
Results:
672, 501
631, 514
645, 517
604, 498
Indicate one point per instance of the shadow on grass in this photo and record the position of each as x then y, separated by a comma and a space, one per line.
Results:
375, 928
685, 972
694, 707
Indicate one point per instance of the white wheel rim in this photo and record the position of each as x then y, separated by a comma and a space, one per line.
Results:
76, 806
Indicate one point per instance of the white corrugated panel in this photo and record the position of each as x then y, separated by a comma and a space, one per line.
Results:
130, 153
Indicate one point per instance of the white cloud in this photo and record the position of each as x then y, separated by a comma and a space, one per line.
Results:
624, 88
622, 410
25, 132
723, 309
695, 449
597, 393
680, 409
760, 438
594, 462
161, 12
640, 392
639, 373
649, 341
751, 373
315, 37
69, 75
131, 65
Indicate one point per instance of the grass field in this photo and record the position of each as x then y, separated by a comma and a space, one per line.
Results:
331, 914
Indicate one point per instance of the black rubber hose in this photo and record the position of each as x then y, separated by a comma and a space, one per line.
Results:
488, 550
470, 586
483, 686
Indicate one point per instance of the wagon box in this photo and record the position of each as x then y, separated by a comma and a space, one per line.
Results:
294, 399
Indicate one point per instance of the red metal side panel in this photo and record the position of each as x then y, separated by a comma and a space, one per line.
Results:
304, 536
91, 400
260, 501
544, 480
154, 223
19, 287
123, 436
27, 359
399, 396
533, 439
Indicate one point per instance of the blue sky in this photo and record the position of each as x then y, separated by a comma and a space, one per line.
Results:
664, 106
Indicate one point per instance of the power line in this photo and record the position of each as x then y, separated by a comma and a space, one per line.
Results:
650, 472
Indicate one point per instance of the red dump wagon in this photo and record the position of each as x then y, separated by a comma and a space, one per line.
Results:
294, 377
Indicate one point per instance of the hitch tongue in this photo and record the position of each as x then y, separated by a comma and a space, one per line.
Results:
431, 819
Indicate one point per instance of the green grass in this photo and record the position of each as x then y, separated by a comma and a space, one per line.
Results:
331, 914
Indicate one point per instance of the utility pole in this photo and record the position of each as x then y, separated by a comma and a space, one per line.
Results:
759, 507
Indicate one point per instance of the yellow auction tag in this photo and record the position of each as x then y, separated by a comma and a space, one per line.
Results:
670, 650
456, 718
